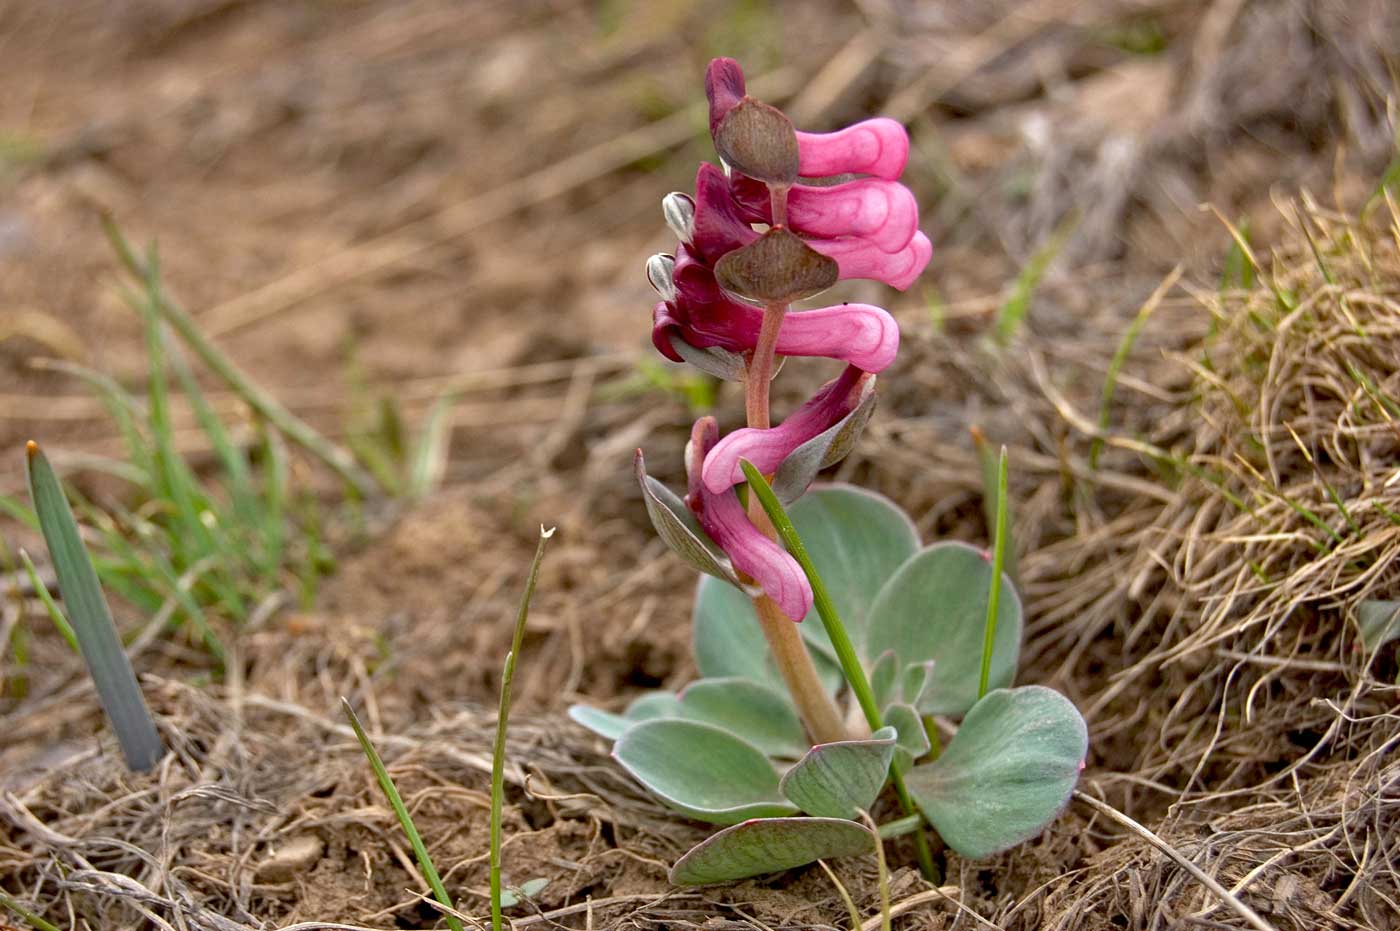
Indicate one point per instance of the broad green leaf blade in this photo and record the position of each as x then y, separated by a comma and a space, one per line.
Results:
603, 723
1379, 622
748, 710
91, 619
857, 540
644, 708
842, 779
769, 845
728, 641
701, 771
800, 468
679, 529
935, 609
653, 705
1007, 772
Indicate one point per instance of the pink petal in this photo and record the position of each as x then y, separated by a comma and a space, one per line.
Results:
861, 258
753, 554
883, 212
724, 86
878, 147
718, 226
861, 334
767, 449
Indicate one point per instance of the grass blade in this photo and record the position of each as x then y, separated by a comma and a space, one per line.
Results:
24, 913
1012, 313
498, 750
91, 618
998, 563
55, 613
415, 840
840, 640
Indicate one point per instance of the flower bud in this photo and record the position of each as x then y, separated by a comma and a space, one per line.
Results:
679, 211
661, 273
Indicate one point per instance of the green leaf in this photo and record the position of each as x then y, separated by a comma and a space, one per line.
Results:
882, 677
644, 708
768, 846
756, 713
729, 643
1379, 622
701, 771
857, 540
91, 619
514, 895
824, 450
841, 779
913, 741
679, 529
1006, 773
603, 723
935, 609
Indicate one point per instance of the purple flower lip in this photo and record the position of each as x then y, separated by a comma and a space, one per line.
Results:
767, 448
752, 553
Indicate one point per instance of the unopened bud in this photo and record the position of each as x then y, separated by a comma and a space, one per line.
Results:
776, 268
758, 140
679, 211
661, 273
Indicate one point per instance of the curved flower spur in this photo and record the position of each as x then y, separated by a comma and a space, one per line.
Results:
760, 740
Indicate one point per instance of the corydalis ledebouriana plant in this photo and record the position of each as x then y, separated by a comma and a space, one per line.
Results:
906, 633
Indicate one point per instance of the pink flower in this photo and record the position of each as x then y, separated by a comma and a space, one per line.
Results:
723, 518
878, 147
862, 335
767, 449
870, 226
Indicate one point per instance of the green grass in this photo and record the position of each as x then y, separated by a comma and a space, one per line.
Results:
1011, 316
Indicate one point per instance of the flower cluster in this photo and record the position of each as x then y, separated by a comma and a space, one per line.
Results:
787, 215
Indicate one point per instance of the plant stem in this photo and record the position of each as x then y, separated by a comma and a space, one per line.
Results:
840, 641
760, 371
25, 914
415, 840
994, 595
814, 705
498, 750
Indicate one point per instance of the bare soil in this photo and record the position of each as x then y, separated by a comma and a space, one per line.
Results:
390, 199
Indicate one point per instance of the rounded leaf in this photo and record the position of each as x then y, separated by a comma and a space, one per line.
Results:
776, 268
643, 708
858, 540
913, 741
935, 608
603, 723
701, 771
769, 845
728, 642
1007, 772
758, 140
841, 779
747, 709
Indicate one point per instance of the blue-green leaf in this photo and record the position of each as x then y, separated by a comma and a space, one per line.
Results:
934, 608
644, 708
702, 771
913, 741
768, 846
841, 779
729, 643
857, 540
91, 619
754, 712
883, 675
603, 723
1007, 772
1379, 622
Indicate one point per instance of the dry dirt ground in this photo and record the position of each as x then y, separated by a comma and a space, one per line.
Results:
427, 195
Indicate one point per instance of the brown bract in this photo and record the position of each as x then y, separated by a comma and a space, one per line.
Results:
776, 268
758, 140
